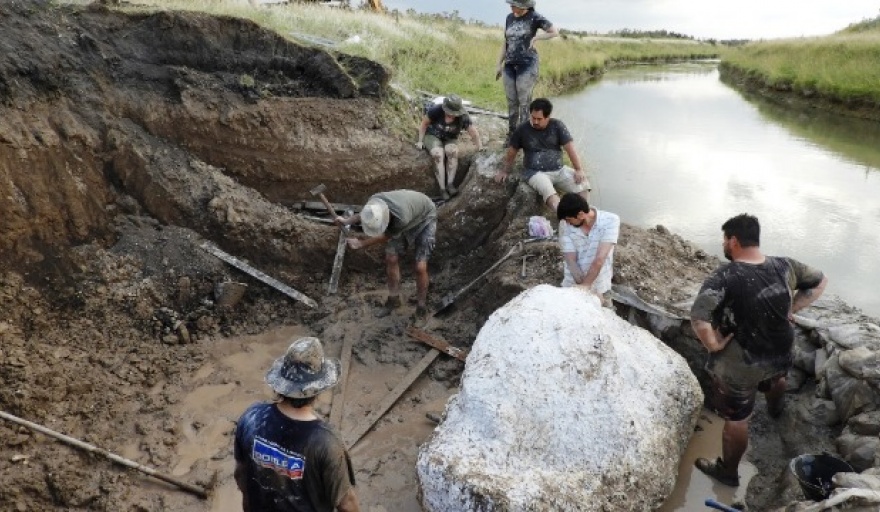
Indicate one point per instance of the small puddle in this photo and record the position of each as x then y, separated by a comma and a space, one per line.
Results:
693, 487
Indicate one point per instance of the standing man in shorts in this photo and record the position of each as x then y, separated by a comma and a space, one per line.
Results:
542, 140
743, 316
399, 218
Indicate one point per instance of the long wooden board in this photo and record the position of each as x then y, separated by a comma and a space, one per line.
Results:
338, 405
355, 435
251, 271
437, 343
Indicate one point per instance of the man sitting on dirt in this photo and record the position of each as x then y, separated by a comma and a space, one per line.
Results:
439, 133
542, 140
587, 237
743, 316
286, 458
401, 218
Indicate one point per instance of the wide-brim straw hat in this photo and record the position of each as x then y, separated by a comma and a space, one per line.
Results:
303, 371
375, 217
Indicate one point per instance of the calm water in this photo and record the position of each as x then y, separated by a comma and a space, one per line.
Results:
672, 145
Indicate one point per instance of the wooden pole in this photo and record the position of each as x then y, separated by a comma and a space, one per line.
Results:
194, 489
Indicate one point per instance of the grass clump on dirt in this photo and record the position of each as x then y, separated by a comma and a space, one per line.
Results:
444, 55
844, 66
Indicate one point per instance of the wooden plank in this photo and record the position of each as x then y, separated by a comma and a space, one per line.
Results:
251, 271
355, 435
344, 232
338, 405
438, 343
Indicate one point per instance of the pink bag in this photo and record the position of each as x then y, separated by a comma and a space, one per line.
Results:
539, 227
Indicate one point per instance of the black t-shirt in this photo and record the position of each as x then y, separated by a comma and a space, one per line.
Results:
753, 302
542, 149
291, 466
518, 35
438, 127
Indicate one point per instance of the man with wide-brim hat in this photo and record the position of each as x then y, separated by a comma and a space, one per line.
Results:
286, 458
399, 218
438, 134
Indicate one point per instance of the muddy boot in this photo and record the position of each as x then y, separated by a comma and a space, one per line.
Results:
776, 408
445, 195
390, 305
452, 190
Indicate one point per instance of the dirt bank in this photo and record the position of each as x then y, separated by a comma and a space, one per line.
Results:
788, 94
128, 140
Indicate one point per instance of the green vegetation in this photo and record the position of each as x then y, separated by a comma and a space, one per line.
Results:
444, 54
844, 66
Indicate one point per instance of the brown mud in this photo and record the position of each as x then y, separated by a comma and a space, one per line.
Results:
126, 140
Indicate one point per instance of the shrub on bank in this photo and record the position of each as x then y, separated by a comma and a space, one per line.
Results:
442, 55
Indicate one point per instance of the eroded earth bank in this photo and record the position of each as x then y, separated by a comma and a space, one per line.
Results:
128, 140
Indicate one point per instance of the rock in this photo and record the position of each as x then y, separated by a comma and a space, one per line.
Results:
596, 412
859, 451
820, 412
795, 380
861, 362
846, 336
850, 395
854, 480
804, 355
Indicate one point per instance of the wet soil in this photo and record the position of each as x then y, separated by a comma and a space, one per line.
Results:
126, 141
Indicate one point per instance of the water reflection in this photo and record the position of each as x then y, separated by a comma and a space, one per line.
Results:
673, 145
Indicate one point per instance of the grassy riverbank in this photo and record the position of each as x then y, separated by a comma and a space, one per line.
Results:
441, 55
843, 67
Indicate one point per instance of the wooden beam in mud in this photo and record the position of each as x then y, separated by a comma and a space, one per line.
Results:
438, 343
338, 404
355, 435
251, 271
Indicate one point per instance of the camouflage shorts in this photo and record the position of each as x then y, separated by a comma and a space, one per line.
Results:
423, 241
736, 382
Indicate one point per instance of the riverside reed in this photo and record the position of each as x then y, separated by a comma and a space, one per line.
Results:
444, 55
844, 66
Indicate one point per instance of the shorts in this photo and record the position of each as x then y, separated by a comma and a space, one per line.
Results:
735, 383
423, 241
546, 182
430, 142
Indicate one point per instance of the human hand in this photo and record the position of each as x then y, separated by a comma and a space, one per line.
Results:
579, 176
501, 177
420, 145
498, 71
354, 243
339, 221
721, 342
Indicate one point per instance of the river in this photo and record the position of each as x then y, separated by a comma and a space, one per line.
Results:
673, 145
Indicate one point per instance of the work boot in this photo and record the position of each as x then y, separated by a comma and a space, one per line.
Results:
452, 190
775, 409
421, 312
392, 303
445, 195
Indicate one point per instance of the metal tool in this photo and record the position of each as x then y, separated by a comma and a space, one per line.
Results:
319, 192
451, 298
720, 506
523, 271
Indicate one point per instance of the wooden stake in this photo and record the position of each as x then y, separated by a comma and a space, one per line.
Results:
194, 489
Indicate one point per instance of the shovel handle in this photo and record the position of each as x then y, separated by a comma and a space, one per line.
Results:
719, 506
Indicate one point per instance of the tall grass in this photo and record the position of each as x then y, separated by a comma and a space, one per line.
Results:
844, 66
442, 55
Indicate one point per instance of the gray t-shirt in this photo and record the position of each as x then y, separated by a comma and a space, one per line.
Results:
518, 35
542, 149
410, 211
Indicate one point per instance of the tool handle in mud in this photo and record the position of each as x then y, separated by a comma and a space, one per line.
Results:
450, 299
719, 506
330, 209
340, 254
194, 489
251, 271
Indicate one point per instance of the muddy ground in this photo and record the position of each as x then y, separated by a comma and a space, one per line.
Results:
127, 140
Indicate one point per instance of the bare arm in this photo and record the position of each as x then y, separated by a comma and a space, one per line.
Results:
347, 221
596, 266
708, 336
349, 502
550, 33
358, 243
475, 136
501, 60
803, 298
422, 129
506, 164
579, 174
241, 482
